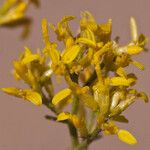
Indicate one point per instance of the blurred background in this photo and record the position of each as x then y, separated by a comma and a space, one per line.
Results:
22, 125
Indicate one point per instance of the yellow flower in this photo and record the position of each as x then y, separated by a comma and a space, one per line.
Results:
99, 88
26, 94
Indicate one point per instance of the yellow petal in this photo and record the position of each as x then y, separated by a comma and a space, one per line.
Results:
45, 31
88, 21
88, 34
20, 69
126, 137
107, 27
61, 95
133, 27
21, 7
51, 48
138, 64
118, 81
121, 72
28, 56
69, 42
132, 50
67, 18
76, 121
89, 101
70, 54
26, 94
53, 53
63, 116
86, 41
12, 91
16, 75
33, 97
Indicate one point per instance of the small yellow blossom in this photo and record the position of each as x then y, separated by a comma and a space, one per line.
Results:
26, 94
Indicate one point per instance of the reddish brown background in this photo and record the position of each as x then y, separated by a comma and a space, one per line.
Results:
22, 125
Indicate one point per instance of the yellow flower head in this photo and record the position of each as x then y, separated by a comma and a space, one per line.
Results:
93, 66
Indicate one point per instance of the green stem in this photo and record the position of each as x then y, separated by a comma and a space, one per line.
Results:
73, 135
75, 105
91, 120
83, 145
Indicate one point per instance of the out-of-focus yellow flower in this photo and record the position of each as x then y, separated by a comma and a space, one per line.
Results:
12, 11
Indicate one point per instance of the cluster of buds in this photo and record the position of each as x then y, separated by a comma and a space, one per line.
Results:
94, 68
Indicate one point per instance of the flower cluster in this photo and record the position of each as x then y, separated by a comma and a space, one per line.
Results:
94, 68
